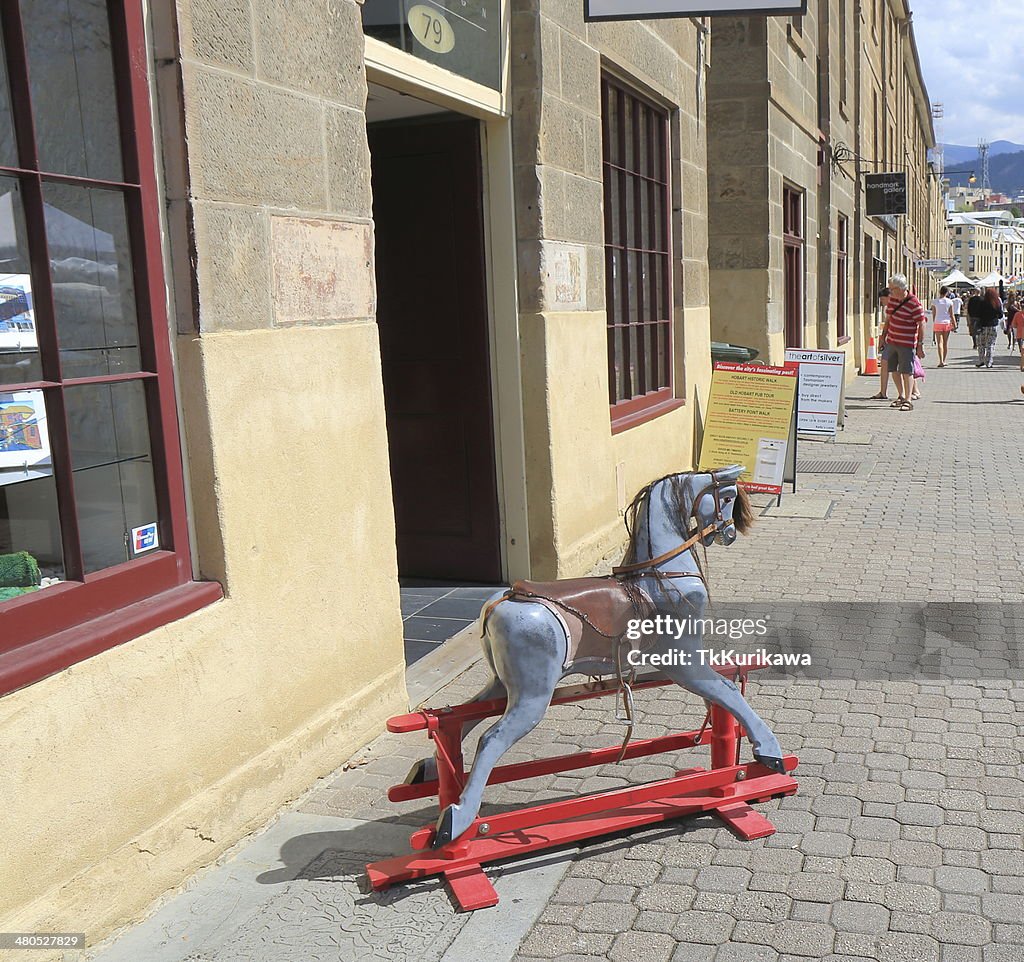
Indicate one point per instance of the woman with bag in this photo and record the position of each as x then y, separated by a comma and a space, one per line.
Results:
943, 321
990, 312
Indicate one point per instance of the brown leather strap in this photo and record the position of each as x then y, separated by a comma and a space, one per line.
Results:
486, 613
667, 556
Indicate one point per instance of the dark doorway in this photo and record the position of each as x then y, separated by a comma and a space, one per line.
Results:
432, 315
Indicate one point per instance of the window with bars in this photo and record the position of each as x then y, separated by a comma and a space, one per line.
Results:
92, 514
842, 274
638, 261
793, 264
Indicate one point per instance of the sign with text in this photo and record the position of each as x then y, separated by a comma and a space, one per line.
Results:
749, 416
886, 194
821, 385
463, 36
657, 9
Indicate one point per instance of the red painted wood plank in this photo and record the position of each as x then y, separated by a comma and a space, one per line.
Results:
564, 763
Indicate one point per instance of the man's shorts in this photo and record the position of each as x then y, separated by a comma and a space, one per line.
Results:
899, 358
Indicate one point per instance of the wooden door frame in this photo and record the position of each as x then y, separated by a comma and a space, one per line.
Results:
503, 335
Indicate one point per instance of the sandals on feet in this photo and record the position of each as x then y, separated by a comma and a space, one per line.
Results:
906, 406
899, 402
879, 397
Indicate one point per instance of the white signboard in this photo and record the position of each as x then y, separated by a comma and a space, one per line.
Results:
655, 9
822, 374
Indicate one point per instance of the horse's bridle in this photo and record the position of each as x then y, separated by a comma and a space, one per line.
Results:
719, 525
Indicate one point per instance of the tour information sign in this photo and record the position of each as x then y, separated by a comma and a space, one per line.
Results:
821, 387
654, 9
750, 414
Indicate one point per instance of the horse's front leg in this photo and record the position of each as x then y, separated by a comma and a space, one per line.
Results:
695, 675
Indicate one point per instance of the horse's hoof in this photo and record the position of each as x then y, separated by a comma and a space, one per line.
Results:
417, 774
443, 833
776, 765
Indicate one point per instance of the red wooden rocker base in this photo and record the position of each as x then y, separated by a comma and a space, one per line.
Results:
725, 789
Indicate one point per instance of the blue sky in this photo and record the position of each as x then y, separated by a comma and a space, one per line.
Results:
972, 55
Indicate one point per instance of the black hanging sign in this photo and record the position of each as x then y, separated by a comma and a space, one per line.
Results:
886, 194
658, 9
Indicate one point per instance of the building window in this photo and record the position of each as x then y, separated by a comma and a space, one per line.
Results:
638, 262
92, 516
793, 267
842, 274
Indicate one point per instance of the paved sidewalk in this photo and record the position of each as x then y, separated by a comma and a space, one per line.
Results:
904, 843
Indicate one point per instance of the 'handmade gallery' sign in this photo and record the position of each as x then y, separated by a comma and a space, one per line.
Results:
655, 9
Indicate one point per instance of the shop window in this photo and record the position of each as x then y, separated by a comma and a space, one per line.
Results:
793, 264
92, 519
638, 261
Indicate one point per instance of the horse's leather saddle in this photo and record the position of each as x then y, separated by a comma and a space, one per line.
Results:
595, 613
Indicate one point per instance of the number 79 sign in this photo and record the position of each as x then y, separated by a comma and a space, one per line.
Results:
431, 28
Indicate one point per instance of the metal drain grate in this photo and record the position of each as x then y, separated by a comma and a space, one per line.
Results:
811, 466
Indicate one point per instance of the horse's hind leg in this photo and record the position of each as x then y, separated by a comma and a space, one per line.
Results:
425, 770
528, 648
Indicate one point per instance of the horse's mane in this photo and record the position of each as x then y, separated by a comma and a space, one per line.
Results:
742, 514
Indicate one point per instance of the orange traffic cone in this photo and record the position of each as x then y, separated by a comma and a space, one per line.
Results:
871, 364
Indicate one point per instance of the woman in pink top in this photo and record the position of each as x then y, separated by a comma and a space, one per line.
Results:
943, 321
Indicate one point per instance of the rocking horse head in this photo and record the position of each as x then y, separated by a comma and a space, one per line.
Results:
722, 503
692, 507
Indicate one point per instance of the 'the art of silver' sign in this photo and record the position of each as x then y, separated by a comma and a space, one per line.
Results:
656, 9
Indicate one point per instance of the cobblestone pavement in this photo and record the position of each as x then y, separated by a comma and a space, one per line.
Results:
904, 843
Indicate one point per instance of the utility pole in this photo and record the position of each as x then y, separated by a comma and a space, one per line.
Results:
983, 146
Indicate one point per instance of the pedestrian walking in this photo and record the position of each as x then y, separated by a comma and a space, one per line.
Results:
974, 305
1011, 312
904, 334
943, 321
986, 327
958, 308
1018, 333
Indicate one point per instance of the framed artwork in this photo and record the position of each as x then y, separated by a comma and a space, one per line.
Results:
24, 438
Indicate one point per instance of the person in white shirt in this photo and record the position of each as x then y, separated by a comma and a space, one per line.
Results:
943, 321
958, 309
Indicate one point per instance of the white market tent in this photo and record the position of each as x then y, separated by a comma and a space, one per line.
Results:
957, 277
991, 280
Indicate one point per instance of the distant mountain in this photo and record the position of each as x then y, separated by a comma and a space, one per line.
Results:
1006, 171
958, 156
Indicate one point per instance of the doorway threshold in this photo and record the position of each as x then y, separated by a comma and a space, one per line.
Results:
434, 611
438, 668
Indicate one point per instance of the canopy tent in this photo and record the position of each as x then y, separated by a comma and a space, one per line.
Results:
957, 277
991, 280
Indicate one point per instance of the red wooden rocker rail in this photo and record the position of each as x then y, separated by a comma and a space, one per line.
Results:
725, 789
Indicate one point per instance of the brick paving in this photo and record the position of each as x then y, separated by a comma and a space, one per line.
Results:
904, 843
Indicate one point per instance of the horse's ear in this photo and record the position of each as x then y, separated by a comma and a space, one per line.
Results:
730, 473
